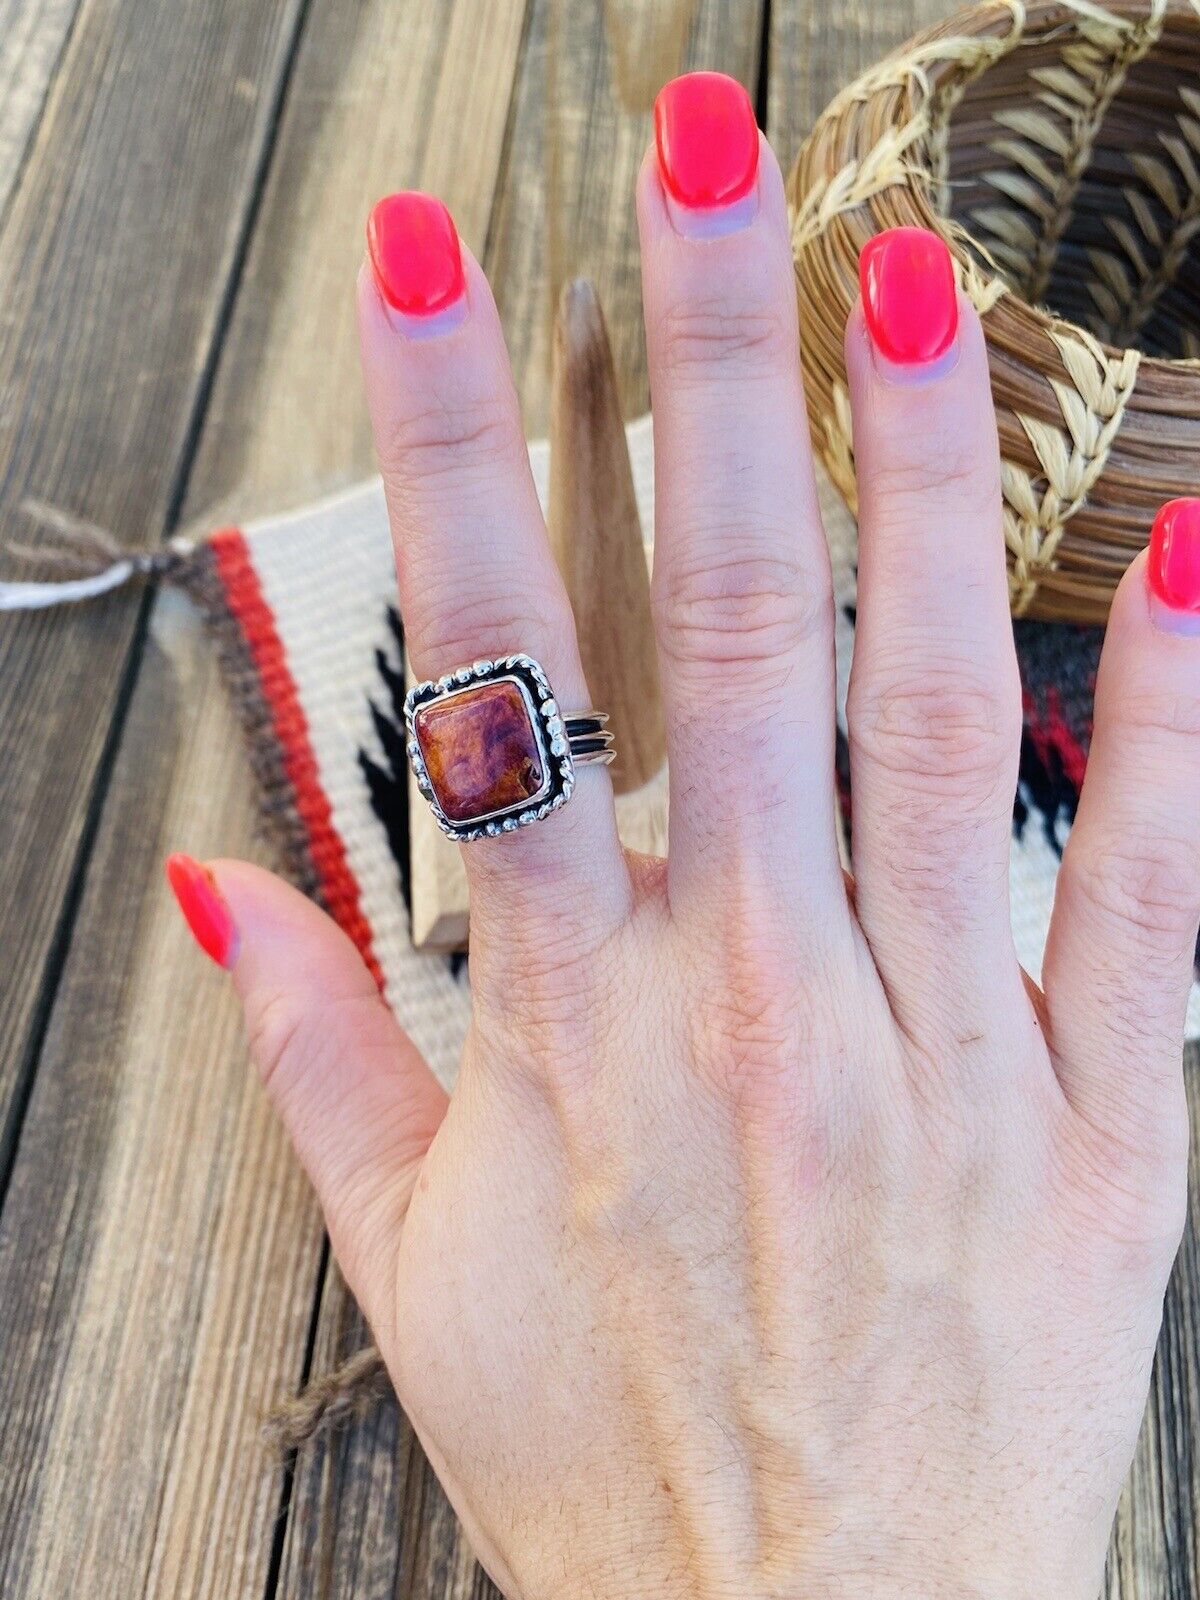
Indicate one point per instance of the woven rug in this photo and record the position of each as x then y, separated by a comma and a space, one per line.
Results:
303, 610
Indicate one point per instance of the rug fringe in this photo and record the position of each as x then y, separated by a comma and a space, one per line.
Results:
92, 555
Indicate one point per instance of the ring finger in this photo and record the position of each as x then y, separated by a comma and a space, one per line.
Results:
934, 707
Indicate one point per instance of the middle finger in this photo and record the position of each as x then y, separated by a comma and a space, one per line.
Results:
741, 588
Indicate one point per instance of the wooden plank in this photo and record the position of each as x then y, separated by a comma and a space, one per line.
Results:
816, 49
352, 1485
384, 97
1155, 1550
157, 1243
368, 1515
115, 260
32, 36
160, 1250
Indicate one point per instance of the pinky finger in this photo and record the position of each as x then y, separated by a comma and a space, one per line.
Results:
1119, 960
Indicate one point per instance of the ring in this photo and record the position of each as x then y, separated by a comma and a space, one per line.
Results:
491, 751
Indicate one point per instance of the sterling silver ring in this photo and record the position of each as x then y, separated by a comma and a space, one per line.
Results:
490, 749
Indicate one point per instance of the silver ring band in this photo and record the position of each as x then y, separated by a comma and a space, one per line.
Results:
491, 751
589, 739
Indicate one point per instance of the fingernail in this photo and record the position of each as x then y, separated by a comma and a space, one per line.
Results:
1173, 568
910, 303
204, 909
707, 143
417, 261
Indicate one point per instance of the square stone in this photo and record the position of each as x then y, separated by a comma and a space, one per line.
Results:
481, 751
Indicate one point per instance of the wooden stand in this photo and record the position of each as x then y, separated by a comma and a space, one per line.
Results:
597, 537
597, 540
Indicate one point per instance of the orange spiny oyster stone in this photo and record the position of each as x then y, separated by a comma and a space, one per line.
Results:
480, 750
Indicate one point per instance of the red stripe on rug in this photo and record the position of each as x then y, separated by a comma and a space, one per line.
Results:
247, 603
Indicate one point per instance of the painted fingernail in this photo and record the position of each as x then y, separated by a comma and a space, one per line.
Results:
204, 908
910, 303
1173, 568
417, 260
707, 143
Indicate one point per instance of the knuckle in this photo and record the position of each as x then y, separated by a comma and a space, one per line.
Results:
552, 992
1157, 721
294, 1038
948, 469
759, 1009
1129, 1171
735, 610
280, 1034
724, 329
1145, 886
440, 438
935, 728
752, 1032
461, 616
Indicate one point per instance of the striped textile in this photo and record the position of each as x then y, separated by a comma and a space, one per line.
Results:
302, 607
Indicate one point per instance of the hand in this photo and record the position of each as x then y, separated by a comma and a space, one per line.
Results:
780, 1237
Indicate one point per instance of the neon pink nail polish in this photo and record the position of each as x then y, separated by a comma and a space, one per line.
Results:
415, 254
204, 908
910, 300
707, 142
1173, 569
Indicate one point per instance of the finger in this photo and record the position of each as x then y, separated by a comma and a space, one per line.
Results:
1119, 958
477, 579
933, 709
741, 586
358, 1103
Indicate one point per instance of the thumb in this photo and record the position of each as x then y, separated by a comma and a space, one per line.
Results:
359, 1103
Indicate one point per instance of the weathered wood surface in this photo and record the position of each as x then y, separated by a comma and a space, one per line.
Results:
118, 250
182, 191
160, 1253
32, 37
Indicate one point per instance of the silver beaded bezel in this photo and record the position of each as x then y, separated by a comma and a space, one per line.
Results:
549, 731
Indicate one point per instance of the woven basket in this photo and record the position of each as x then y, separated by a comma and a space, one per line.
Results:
1056, 148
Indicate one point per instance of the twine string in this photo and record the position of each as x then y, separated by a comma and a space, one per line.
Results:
347, 1393
92, 558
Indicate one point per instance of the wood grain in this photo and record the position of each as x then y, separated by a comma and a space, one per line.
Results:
597, 537
384, 97
116, 258
160, 1251
368, 1516
1155, 1549
816, 49
158, 1243
32, 36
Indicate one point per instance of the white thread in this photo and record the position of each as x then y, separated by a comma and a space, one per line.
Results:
71, 591
41, 596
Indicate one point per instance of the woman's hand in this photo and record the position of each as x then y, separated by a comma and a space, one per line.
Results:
780, 1238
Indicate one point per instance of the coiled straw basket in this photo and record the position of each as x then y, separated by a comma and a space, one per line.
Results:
1056, 147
